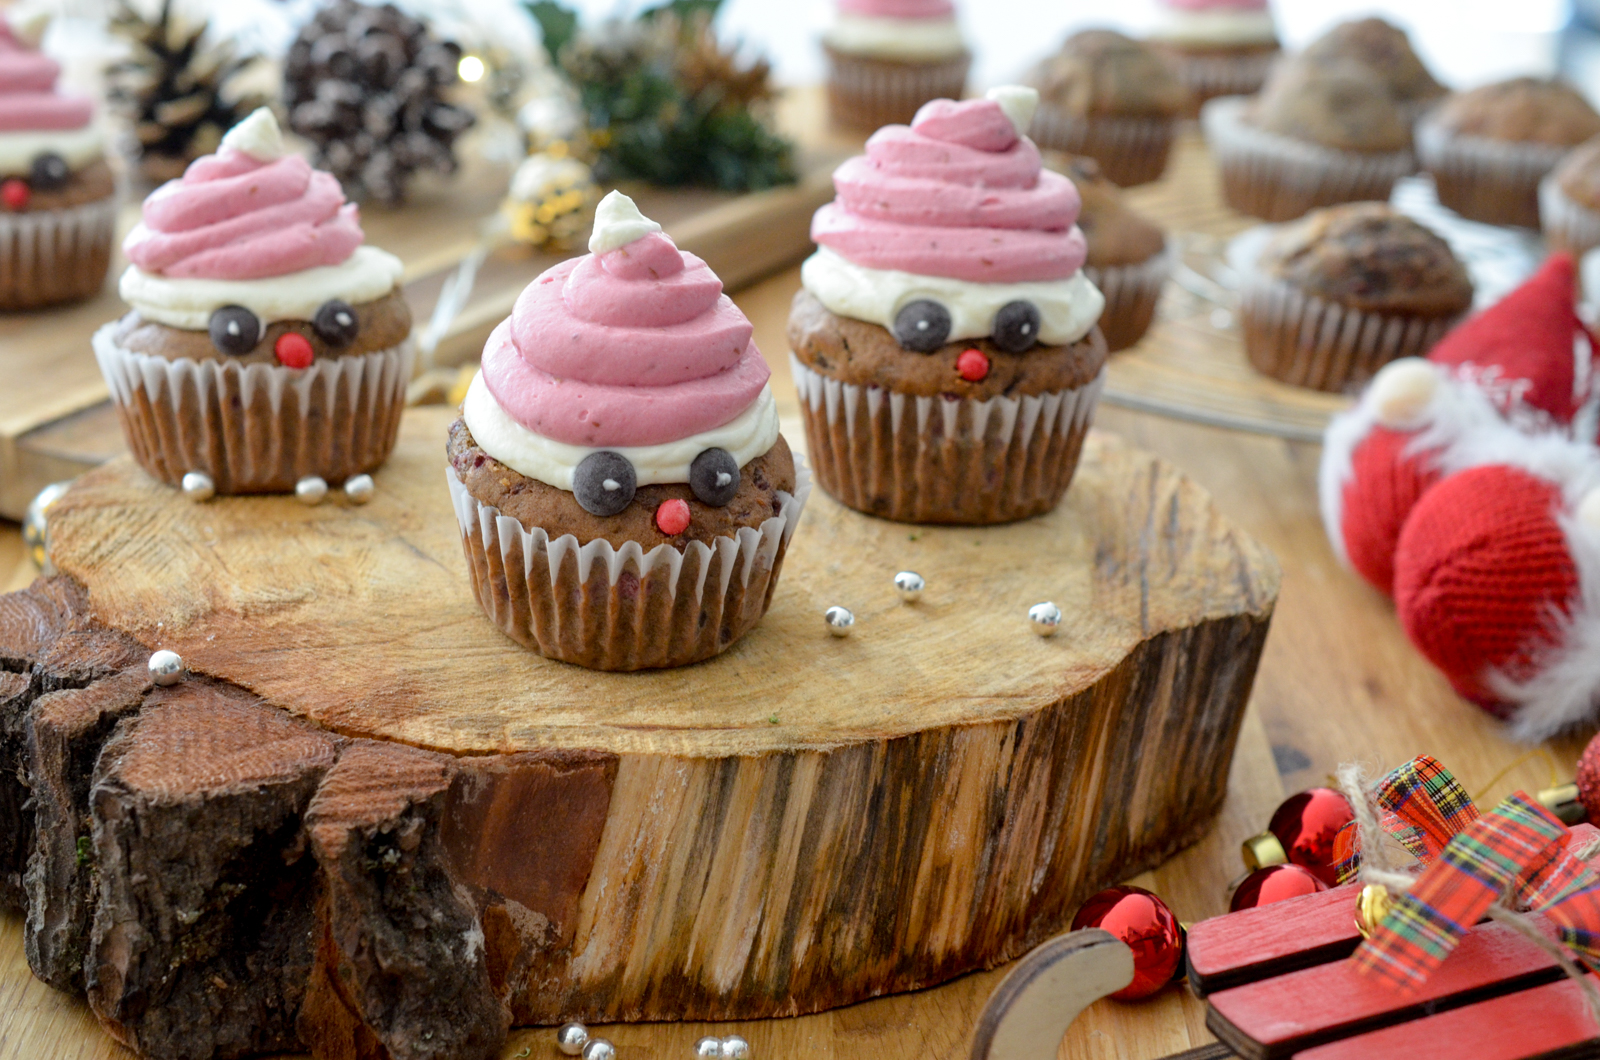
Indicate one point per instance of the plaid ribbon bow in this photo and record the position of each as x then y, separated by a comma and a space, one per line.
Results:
1516, 853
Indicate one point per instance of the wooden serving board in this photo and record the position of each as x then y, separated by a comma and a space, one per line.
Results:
56, 423
800, 823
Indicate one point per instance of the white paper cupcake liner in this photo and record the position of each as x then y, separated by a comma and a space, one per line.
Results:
1567, 225
1493, 181
1278, 178
867, 93
1130, 151
1132, 293
935, 460
256, 428
52, 256
1305, 340
610, 608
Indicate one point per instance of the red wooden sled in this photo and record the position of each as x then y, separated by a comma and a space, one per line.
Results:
1278, 986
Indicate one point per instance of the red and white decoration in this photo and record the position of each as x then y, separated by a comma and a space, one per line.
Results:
1467, 486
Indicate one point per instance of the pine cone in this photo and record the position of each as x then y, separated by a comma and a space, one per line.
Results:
366, 86
175, 89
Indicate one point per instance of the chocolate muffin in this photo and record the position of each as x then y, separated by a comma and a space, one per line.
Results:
1488, 149
1384, 51
1339, 294
58, 200
1216, 47
260, 355
1569, 201
1128, 257
1320, 133
624, 496
886, 58
1113, 99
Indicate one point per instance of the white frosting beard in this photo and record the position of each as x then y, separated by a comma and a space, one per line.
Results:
896, 38
78, 147
752, 433
364, 276
1067, 308
1215, 27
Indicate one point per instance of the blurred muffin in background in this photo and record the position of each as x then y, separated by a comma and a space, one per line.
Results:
1320, 133
886, 58
1128, 258
1111, 98
1488, 149
1385, 50
1216, 47
1569, 201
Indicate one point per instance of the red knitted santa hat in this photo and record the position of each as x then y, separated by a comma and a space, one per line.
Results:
1529, 351
1497, 583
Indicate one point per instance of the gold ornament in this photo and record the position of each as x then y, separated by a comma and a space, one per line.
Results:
552, 200
1373, 905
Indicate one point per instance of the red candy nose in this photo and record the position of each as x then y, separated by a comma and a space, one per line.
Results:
673, 517
972, 365
15, 193
293, 350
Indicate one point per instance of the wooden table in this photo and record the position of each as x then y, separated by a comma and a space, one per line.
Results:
1338, 682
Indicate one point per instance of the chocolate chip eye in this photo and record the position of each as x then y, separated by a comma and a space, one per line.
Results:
714, 477
1016, 326
48, 172
234, 329
604, 483
336, 323
923, 325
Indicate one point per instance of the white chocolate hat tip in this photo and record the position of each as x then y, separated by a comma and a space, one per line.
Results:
618, 222
28, 21
258, 136
1402, 391
1019, 103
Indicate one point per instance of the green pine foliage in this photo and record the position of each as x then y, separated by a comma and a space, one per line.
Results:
665, 102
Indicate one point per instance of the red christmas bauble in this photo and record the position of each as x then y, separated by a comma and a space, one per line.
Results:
1275, 883
1306, 823
1589, 779
1143, 921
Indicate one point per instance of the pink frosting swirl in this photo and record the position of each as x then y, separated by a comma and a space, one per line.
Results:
635, 346
234, 217
29, 101
957, 194
927, 9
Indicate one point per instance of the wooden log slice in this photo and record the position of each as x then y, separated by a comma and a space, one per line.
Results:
800, 823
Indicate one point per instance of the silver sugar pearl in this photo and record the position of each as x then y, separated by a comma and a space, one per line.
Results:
166, 667
310, 490
197, 486
909, 584
359, 488
708, 1048
840, 621
571, 1038
735, 1048
36, 525
1046, 618
599, 1049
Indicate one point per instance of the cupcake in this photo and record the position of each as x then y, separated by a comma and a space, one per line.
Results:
1113, 99
944, 340
1216, 47
1344, 291
1385, 52
1569, 201
58, 201
1128, 259
624, 496
267, 349
1489, 148
1317, 135
886, 58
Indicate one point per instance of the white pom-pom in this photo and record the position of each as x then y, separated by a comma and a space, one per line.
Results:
1402, 391
257, 136
1019, 102
618, 222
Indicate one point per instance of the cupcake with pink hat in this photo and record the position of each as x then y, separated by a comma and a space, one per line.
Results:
886, 58
1217, 47
58, 202
624, 496
268, 348
944, 341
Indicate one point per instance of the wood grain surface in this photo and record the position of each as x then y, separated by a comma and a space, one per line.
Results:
1338, 682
